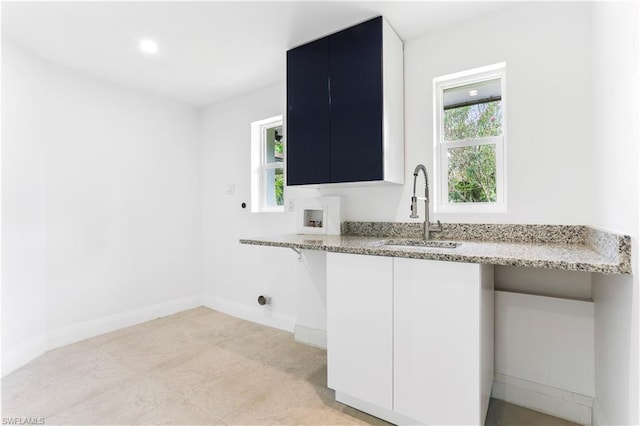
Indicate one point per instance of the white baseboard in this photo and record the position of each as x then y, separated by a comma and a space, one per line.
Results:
24, 353
259, 314
84, 330
598, 418
547, 399
310, 336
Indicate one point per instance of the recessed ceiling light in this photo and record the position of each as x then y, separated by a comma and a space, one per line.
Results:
473, 92
148, 46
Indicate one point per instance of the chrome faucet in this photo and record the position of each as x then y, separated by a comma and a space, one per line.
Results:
428, 228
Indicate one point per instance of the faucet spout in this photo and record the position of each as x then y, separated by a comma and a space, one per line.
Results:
414, 202
416, 171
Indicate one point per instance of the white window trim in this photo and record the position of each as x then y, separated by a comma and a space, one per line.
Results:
440, 84
258, 167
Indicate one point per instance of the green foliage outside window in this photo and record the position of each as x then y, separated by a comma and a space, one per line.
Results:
279, 182
279, 178
274, 157
279, 149
472, 169
472, 174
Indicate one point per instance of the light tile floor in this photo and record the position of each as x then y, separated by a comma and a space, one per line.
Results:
196, 367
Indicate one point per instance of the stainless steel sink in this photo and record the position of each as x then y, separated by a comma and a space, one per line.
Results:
420, 243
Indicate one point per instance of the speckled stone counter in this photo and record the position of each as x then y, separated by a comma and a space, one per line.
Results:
574, 248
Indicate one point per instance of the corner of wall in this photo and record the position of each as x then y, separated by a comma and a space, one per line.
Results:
597, 418
243, 311
23, 354
94, 327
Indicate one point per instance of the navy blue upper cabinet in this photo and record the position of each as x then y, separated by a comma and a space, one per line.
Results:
355, 78
308, 121
345, 108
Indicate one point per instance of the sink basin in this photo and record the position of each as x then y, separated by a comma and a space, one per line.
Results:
421, 243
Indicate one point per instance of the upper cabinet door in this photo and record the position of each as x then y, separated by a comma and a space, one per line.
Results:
308, 127
356, 103
345, 107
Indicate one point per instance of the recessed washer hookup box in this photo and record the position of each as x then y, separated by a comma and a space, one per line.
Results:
320, 215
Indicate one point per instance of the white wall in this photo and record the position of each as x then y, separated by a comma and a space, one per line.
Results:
544, 282
311, 309
547, 51
544, 354
234, 275
548, 54
616, 131
24, 212
112, 180
101, 186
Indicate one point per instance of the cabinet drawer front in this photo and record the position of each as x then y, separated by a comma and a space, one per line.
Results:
359, 327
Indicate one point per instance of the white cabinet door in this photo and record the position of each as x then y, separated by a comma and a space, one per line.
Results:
359, 327
439, 323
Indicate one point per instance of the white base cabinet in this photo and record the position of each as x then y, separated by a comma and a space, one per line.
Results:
360, 327
409, 340
443, 341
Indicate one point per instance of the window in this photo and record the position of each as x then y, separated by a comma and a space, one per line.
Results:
470, 140
267, 166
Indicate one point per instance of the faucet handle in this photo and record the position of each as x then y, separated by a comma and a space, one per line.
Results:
435, 228
414, 208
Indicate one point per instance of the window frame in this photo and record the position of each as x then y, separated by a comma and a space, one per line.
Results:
259, 166
440, 147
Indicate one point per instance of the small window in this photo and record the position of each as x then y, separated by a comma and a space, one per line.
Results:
470, 141
267, 165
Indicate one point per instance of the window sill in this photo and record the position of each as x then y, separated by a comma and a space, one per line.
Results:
279, 209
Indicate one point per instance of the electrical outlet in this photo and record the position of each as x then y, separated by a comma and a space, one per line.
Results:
230, 188
291, 205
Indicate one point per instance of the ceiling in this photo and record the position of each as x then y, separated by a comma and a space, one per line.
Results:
208, 51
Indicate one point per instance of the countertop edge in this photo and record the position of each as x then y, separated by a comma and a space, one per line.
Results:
607, 267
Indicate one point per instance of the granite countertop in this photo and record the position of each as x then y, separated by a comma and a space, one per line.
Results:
579, 248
